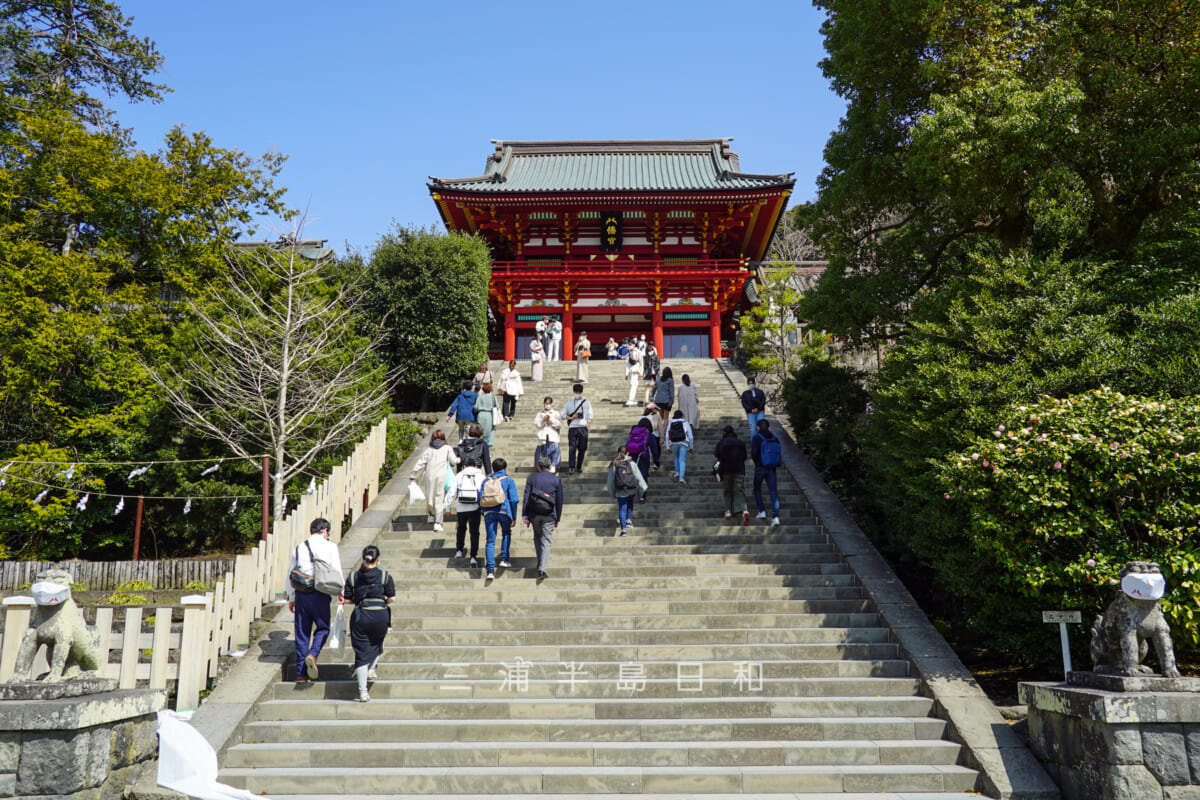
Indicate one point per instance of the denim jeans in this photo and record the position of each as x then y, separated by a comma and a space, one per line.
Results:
311, 626
548, 449
625, 510
753, 417
767, 474
490, 520
681, 450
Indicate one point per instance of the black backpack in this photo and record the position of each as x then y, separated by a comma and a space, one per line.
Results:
623, 478
676, 433
471, 449
541, 504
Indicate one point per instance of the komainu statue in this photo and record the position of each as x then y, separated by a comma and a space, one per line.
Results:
58, 624
1121, 636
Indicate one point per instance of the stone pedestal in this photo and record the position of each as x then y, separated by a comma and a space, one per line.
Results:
1100, 744
90, 746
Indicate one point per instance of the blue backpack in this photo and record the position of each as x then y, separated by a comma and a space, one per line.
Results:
770, 452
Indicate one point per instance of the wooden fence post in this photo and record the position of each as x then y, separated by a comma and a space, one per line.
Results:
193, 653
17, 611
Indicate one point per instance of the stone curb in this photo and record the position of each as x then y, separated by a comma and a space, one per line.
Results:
224, 713
1008, 770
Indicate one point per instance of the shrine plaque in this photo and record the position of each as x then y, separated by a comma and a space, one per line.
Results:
1062, 616
610, 231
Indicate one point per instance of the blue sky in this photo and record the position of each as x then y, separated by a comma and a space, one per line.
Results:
368, 99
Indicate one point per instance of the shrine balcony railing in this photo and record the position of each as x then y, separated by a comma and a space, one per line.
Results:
601, 265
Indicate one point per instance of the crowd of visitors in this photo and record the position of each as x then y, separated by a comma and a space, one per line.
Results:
469, 482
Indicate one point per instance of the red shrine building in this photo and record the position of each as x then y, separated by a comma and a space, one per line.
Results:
618, 238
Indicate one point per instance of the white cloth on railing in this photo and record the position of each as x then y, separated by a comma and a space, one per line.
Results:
187, 763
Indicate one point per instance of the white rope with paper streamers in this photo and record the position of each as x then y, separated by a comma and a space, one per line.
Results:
211, 469
120, 507
187, 507
82, 504
137, 473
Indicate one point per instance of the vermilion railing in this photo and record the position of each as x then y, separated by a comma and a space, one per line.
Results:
600, 265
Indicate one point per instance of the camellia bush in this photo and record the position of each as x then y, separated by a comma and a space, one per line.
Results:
1067, 491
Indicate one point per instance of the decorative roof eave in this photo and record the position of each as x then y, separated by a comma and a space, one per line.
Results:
784, 183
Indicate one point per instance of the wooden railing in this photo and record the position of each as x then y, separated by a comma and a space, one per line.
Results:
218, 622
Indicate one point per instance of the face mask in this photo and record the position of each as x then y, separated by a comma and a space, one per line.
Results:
548, 406
1144, 585
47, 593
578, 395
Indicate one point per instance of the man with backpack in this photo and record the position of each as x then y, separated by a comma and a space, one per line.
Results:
463, 409
465, 494
577, 413
642, 446
475, 448
624, 482
309, 589
498, 503
767, 452
731, 467
679, 439
542, 508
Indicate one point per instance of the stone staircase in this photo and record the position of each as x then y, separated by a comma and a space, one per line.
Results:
694, 657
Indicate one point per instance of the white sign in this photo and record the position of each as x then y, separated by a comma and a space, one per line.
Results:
1062, 616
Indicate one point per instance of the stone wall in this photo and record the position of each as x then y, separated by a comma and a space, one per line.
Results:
1105, 745
89, 747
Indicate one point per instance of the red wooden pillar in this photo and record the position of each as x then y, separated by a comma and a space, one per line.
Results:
510, 336
656, 321
714, 332
568, 321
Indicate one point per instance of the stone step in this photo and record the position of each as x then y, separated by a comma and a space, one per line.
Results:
643, 622
765, 694
538, 779
416, 613
789, 795
516, 639
610, 670
465, 729
452, 579
369, 755
520, 591
570, 566
754, 648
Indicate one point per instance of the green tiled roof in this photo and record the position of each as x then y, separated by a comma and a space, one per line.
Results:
690, 164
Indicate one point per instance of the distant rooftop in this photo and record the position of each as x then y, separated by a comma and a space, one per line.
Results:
626, 165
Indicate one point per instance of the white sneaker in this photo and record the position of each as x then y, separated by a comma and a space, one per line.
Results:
458, 554
372, 675
363, 697
437, 526
504, 562
491, 576
681, 480
774, 522
761, 515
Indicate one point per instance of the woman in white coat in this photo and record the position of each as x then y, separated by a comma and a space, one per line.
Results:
432, 468
510, 385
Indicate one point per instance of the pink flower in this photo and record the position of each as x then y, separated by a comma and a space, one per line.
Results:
946, 495
1058, 465
985, 463
996, 434
974, 456
1091, 562
1112, 581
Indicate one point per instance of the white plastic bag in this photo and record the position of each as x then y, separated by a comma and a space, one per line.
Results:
187, 763
338, 633
415, 495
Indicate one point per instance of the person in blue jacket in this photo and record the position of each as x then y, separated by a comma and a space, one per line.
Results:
765, 471
463, 409
501, 515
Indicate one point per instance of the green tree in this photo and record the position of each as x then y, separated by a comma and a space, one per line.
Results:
772, 339
977, 127
62, 52
430, 292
